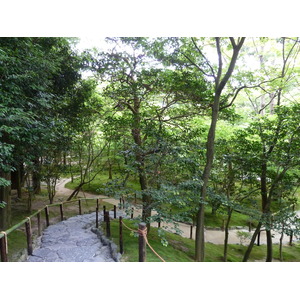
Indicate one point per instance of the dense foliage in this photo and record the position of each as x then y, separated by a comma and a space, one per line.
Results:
179, 124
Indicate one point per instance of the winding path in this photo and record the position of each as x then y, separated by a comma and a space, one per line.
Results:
211, 236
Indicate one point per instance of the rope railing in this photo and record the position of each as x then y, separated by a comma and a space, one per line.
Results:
27, 222
143, 233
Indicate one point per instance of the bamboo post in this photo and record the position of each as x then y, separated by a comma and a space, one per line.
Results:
142, 243
191, 232
121, 235
79, 206
61, 212
97, 214
29, 236
39, 223
104, 212
115, 211
47, 216
107, 224
3, 247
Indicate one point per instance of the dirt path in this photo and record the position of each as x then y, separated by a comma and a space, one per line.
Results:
211, 236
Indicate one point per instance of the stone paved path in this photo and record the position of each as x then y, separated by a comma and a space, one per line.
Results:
72, 241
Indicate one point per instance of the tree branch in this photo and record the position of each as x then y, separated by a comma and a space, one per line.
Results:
206, 60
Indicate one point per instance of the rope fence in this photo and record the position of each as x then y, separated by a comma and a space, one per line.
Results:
4, 245
142, 231
27, 221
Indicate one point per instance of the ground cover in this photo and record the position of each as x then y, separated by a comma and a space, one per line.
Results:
97, 186
181, 249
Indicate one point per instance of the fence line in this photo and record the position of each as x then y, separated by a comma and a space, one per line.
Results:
27, 221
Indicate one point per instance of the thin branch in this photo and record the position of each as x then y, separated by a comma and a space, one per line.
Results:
247, 87
194, 64
206, 60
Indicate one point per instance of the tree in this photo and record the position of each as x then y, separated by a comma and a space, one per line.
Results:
190, 52
145, 95
36, 76
267, 152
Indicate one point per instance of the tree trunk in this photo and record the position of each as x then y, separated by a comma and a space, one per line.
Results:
199, 242
280, 245
139, 157
269, 246
5, 196
227, 233
220, 83
16, 182
36, 178
249, 249
76, 191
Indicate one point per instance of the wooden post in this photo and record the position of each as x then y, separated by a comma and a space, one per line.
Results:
29, 236
61, 212
258, 238
3, 247
191, 232
107, 220
115, 211
131, 213
158, 224
79, 206
104, 213
97, 214
39, 223
47, 216
121, 235
142, 243
250, 226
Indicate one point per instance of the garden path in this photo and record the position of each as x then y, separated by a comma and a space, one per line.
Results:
211, 235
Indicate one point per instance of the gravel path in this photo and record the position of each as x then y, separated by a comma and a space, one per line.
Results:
72, 241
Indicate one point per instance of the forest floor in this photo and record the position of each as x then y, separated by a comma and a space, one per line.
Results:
215, 236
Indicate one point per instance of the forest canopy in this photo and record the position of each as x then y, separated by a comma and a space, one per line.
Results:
183, 125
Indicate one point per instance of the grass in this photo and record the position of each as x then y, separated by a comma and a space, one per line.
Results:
181, 249
97, 186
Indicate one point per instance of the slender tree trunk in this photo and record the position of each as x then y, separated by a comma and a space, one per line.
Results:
5, 196
220, 83
76, 191
280, 245
36, 178
199, 242
269, 246
249, 249
19, 183
227, 233
139, 157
